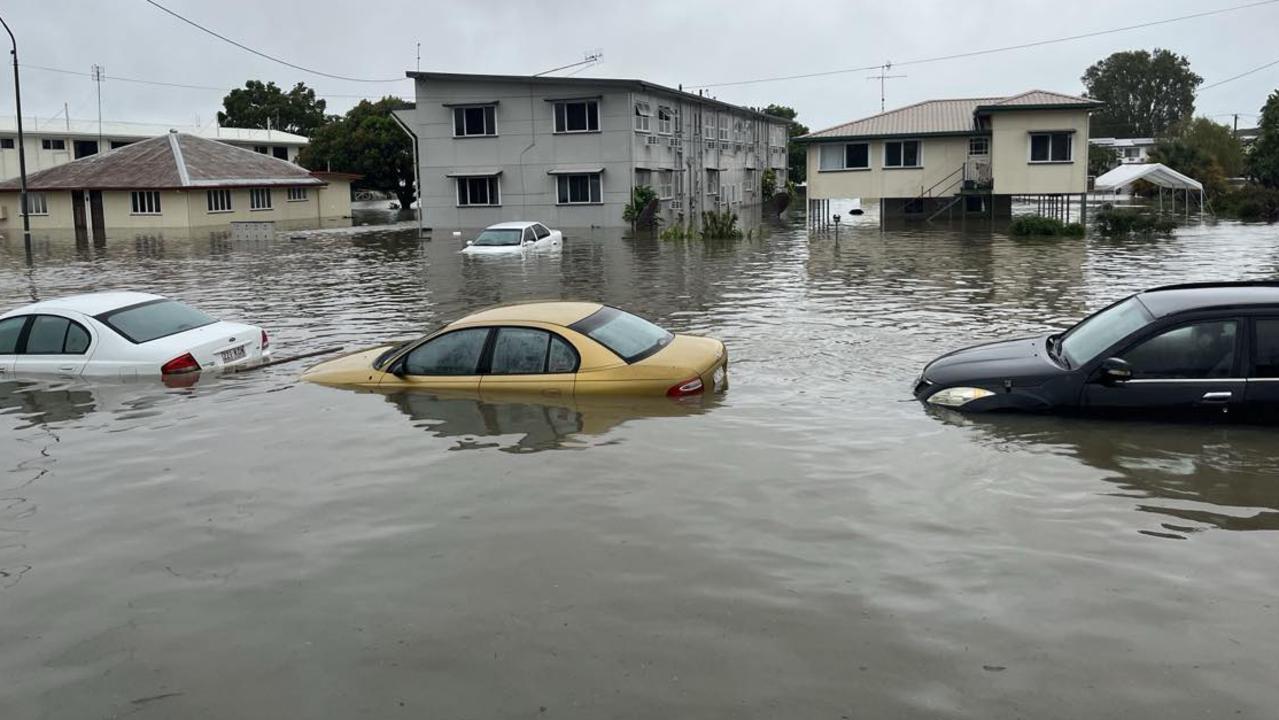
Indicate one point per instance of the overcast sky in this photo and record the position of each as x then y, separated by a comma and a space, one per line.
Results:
664, 42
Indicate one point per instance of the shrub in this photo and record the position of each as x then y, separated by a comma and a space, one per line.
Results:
1038, 225
641, 196
768, 184
1113, 223
720, 225
1251, 203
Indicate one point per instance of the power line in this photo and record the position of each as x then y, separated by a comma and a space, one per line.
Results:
163, 83
261, 54
1006, 48
1246, 73
589, 59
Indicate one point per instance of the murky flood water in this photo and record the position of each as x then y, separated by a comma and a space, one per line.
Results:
812, 545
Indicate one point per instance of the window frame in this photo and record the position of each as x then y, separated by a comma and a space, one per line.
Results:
985, 142
665, 120
400, 365
567, 191
254, 203
145, 203
494, 191
53, 144
665, 184
1030, 147
486, 361
539, 229
1254, 344
643, 116
7, 143
220, 194
24, 335
560, 113
843, 156
489, 123
32, 210
919, 154
296, 194
1242, 353
19, 343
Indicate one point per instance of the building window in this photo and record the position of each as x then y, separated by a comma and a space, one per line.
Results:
117, 144
1050, 147
712, 182
665, 117
902, 154
643, 178
579, 189
297, 194
709, 126
145, 202
642, 113
6, 143
37, 203
849, 156
1128, 152
259, 198
478, 191
49, 144
665, 188
978, 146
262, 149
219, 200
280, 152
577, 116
478, 120
724, 130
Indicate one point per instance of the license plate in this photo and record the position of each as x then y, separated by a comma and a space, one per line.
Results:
235, 353
720, 378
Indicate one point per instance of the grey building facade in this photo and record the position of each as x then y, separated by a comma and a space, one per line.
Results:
569, 151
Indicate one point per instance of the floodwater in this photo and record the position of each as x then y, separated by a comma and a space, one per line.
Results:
814, 544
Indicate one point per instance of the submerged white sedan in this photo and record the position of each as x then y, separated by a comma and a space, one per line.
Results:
514, 237
122, 335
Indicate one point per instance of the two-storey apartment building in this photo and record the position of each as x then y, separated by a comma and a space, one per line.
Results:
49, 143
970, 154
569, 151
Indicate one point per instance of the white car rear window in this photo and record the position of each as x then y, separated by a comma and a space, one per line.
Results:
153, 320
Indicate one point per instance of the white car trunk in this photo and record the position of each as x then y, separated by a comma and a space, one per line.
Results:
220, 345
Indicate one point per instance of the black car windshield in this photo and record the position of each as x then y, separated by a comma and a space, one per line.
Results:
1089, 338
499, 237
631, 338
153, 320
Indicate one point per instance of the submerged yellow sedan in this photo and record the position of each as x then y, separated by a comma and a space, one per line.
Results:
544, 348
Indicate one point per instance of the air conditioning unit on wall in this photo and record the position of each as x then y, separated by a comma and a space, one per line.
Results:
652, 140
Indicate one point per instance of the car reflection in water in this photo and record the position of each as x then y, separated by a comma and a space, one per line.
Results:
540, 423
1213, 477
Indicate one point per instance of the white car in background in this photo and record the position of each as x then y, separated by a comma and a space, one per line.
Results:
122, 335
514, 237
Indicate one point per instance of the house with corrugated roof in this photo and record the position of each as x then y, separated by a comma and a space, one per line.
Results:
968, 155
175, 180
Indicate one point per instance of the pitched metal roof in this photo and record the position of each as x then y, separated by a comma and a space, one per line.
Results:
945, 117
119, 130
170, 161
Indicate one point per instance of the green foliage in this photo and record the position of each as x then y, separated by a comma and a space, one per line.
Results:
369, 142
1251, 203
1144, 93
641, 196
1189, 159
1101, 159
1263, 158
679, 232
1038, 225
253, 106
1112, 223
720, 225
768, 184
1218, 141
796, 154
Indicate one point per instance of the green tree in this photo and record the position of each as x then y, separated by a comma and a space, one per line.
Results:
1204, 150
366, 141
797, 154
1217, 140
1263, 158
256, 104
1144, 93
1101, 159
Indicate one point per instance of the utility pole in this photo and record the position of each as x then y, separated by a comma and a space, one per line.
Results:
22, 147
881, 77
98, 74
1236, 124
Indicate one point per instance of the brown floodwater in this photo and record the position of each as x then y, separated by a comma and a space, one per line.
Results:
814, 544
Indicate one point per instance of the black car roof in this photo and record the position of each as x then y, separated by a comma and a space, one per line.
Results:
1173, 299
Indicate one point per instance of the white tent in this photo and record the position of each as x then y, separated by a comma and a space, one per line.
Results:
1156, 174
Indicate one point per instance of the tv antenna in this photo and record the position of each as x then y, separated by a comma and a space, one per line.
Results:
881, 77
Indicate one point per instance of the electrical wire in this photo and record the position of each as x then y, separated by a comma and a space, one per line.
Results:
261, 54
163, 83
1006, 48
1245, 73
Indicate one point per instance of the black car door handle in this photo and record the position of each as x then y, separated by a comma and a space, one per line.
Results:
1218, 397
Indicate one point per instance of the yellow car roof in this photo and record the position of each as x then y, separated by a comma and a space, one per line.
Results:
554, 313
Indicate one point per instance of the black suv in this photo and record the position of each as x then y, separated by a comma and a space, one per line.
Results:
1208, 350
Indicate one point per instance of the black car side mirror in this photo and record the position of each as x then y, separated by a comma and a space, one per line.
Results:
1115, 371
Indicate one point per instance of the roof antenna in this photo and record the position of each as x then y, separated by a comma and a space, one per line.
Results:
881, 77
